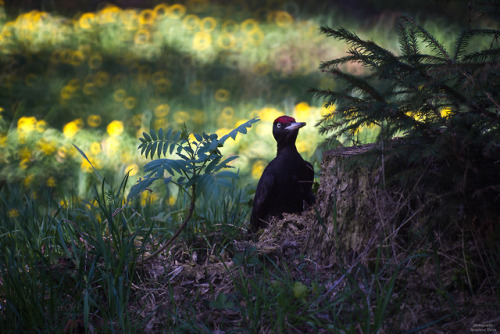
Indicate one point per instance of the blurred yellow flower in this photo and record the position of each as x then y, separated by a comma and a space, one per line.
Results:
255, 37
115, 128
26, 124
28, 180
70, 129
86, 20
111, 145
162, 110
101, 78
160, 123
258, 169
133, 169
86, 167
24, 163
119, 95
222, 95
47, 147
249, 25
171, 200
230, 26
191, 22
269, 114
95, 61
148, 197
88, 88
13, 213
3, 140
147, 17
77, 57
41, 126
325, 111
161, 11
302, 111
129, 18
416, 116
202, 41
181, 117
303, 146
130, 102
282, 18
222, 132
163, 85
94, 120
208, 24
226, 41
51, 182
176, 11
142, 37
446, 112
95, 148
137, 120
198, 116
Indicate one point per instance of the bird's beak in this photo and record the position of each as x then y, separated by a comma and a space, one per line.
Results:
295, 126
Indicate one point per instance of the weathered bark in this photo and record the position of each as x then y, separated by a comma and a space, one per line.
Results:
346, 205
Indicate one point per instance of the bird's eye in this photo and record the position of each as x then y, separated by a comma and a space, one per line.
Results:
278, 125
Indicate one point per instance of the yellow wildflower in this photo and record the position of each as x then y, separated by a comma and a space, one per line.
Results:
208, 24
302, 111
191, 22
142, 37
26, 124
119, 95
258, 169
28, 180
282, 18
47, 147
181, 117
13, 213
226, 41
95, 61
95, 148
222, 95
130, 102
94, 120
86, 20
133, 169
446, 112
249, 25
269, 114
51, 182
115, 128
70, 129
147, 17
24, 163
41, 125
162, 110
202, 40
176, 11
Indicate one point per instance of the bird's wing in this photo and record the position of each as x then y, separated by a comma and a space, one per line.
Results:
261, 196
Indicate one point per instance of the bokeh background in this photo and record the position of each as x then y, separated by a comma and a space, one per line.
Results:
97, 74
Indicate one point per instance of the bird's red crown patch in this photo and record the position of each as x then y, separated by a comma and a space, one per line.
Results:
284, 119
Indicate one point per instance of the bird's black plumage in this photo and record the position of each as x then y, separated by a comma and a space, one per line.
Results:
286, 183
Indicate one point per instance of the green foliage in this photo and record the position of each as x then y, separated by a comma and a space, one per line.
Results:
200, 162
443, 105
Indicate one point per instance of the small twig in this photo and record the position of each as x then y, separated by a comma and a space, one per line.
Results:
183, 225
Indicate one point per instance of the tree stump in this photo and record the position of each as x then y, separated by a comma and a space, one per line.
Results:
345, 205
